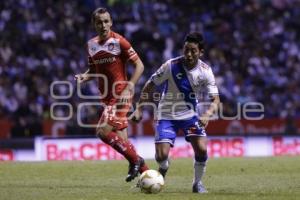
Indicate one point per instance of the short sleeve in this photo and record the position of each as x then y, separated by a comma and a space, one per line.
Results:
161, 74
212, 88
128, 53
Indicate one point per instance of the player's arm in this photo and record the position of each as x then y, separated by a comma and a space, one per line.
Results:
129, 54
214, 97
86, 76
213, 108
146, 95
128, 92
139, 68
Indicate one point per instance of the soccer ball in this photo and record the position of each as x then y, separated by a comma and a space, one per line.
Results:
151, 181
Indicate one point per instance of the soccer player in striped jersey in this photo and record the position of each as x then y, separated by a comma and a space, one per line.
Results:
184, 78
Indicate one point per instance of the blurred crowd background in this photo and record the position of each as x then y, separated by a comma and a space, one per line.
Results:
253, 47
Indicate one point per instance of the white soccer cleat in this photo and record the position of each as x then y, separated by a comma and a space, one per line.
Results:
199, 188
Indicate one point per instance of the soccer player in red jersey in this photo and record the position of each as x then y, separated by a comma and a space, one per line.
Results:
108, 53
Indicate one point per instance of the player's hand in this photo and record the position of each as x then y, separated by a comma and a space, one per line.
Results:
81, 78
136, 116
204, 119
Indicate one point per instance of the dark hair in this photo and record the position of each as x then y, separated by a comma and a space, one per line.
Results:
99, 10
195, 37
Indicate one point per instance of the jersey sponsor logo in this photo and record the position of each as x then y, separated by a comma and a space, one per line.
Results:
104, 60
179, 75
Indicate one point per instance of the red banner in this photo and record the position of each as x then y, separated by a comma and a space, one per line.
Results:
234, 127
94, 149
282, 146
248, 127
215, 128
6, 155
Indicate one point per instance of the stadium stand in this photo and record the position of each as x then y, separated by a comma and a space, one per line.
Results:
252, 46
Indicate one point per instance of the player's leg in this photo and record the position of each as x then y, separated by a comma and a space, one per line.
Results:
162, 157
123, 134
111, 130
199, 145
139, 166
109, 136
164, 139
121, 122
196, 135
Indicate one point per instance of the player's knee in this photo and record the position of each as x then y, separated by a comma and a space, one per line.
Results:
203, 152
201, 158
161, 156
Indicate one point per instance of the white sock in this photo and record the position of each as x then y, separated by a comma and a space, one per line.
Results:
199, 171
164, 164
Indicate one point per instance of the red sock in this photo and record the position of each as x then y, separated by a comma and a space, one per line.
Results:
144, 167
123, 147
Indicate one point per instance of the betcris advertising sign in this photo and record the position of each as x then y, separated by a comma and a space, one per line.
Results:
94, 149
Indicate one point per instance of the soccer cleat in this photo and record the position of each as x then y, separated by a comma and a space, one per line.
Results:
162, 171
199, 188
134, 169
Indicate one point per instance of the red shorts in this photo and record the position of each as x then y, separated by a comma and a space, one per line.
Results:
115, 115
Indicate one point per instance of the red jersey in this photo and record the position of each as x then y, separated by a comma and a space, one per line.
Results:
108, 58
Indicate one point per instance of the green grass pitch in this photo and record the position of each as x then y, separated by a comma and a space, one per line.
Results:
226, 178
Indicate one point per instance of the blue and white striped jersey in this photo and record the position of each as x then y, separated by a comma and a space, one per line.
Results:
182, 88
